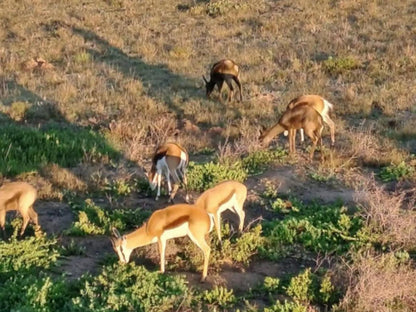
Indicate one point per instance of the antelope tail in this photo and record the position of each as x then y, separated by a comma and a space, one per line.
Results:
270, 133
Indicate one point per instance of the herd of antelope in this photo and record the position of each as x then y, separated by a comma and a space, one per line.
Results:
306, 113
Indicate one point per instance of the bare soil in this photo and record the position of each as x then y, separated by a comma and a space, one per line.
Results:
56, 217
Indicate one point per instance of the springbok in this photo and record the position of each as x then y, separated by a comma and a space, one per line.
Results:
18, 196
224, 70
171, 222
169, 159
321, 105
225, 195
301, 116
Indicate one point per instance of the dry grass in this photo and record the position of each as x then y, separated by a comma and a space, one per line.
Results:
390, 217
380, 283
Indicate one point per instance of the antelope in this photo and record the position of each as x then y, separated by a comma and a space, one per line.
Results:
224, 70
300, 116
321, 105
171, 160
226, 195
18, 196
171, 222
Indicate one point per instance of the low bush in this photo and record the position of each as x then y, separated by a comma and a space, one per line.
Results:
396, 172
93, 219
132, 288
318, 228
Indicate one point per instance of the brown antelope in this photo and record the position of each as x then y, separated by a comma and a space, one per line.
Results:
224, 70
226, 195
174, 221
321, 105
171, 160
18, 196
301, 116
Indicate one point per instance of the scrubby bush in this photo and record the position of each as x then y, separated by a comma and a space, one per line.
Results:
219, 296
396, 172
93, 219
132, 288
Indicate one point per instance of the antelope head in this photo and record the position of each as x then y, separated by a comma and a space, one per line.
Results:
209, 85
119, 246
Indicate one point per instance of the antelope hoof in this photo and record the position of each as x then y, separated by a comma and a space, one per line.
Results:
157, 198
202, 280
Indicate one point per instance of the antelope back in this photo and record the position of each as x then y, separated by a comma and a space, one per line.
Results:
220, 194
315, 101
225, 67
17, 196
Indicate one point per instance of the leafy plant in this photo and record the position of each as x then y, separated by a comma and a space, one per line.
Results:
340, 65
204, 176
220, 296
300, 287
93, 219
396, 172
318, 228
286, 307
132, 288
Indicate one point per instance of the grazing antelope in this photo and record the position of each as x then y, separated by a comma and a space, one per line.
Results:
321, 105
224, 70
226, 195
174, 221
18, 196
171, 160
301, 116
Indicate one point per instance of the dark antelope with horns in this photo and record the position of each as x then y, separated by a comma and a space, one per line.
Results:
224, 70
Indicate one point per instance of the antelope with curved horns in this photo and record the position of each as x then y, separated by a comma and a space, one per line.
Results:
224, 70
169, 159
301, 116
18, 196
225, 195
171, 222
321, 105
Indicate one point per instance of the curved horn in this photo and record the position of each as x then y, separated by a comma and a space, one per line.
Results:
203, 77
116, 233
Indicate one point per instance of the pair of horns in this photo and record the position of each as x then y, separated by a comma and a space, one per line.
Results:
116, 233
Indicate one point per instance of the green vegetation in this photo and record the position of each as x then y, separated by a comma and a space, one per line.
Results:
203, 176
396, 172
26, 149
95, 220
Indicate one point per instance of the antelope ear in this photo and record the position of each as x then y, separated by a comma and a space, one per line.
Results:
116, 233
206, 81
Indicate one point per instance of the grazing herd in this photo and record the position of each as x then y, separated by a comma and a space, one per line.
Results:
306, 113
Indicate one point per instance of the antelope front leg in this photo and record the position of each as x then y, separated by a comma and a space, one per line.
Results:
162, 247
167, 175
159, 181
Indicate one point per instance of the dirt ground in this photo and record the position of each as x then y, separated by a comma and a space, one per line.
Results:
56, 217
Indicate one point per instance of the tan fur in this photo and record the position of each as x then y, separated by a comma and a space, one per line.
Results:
171, 155
171, 222
301, 116
18, 196
220, 198
318, 103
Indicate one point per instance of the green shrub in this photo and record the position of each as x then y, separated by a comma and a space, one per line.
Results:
204, 176
27, 149
119, 187
300, 287
396, 172
286, 307
257, 162
340, 65
93, 219
319, 228
219, 296
271, 284
27, 254
132, 288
